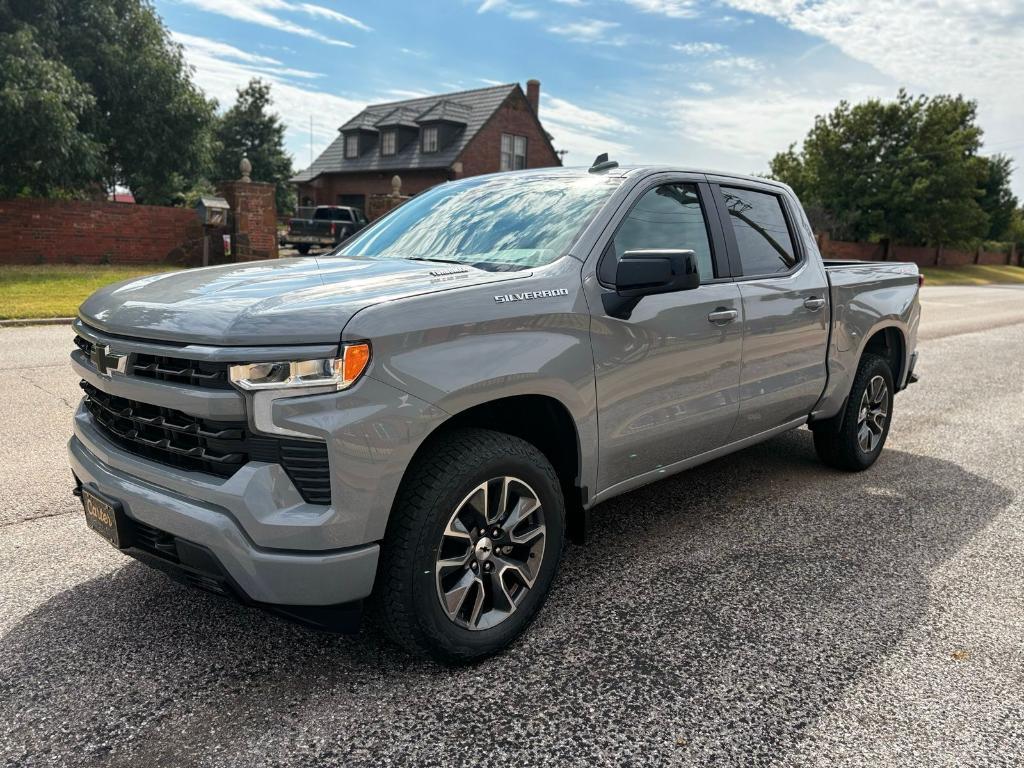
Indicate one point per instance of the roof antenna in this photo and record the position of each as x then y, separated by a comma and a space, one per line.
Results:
602, 163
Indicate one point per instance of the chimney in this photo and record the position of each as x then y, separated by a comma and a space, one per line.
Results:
533, 94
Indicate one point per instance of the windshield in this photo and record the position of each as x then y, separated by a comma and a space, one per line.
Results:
497, 222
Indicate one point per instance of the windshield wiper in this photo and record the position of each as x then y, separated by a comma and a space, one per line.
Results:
439, 261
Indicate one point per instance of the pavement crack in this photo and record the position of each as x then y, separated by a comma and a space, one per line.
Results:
46, 391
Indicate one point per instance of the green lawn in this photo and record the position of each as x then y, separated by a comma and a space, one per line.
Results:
56, 290
972, 275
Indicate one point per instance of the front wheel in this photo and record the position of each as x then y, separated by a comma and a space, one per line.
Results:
856, 445
472, 547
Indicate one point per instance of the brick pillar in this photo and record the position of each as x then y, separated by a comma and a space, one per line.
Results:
253, 219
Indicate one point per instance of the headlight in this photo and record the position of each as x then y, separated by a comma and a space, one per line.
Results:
337, 372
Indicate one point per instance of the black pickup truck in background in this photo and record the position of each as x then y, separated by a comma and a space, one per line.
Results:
329, 226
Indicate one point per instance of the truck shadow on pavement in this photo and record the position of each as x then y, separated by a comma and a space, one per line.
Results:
713, 618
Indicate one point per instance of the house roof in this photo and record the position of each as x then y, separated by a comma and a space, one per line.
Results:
469, 108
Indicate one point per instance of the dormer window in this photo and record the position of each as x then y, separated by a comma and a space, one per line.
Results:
388, 142
429, 141
352, 146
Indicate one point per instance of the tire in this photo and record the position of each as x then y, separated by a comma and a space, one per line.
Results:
433, 547
868, 408
303, 248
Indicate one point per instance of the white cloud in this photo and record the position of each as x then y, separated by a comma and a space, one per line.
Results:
698, 49
259, 12
701, 87
260, 65
675, 9
585, 30
734, 63
585, 133
510, 9
405, 93
971, 47
755, 124
329, 13
220, 71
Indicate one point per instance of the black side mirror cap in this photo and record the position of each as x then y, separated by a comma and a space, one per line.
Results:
645, 273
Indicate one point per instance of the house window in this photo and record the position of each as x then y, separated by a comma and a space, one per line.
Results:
352, 145
513, 152
430, 139
387, 143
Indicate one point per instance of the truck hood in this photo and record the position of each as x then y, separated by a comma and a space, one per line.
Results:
283, 301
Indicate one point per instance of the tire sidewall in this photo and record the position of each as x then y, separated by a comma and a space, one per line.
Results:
875, 366
427, 607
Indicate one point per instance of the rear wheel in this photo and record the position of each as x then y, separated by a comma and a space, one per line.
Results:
303, 249
857, 444
472, 547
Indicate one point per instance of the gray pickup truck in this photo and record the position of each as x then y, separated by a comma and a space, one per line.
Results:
328, 226
422, 419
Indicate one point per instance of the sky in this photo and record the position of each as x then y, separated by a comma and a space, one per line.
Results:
722, 84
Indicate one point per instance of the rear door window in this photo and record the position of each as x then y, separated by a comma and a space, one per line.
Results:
762, 235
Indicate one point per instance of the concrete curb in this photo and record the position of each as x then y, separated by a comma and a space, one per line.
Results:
19, 323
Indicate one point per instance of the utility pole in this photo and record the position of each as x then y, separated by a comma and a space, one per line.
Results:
310, 139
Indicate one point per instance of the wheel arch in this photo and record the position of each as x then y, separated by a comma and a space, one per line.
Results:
541, 420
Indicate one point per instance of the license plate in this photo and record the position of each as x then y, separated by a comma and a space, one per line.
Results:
104, 517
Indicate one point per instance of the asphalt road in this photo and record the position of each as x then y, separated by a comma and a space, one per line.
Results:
758, 610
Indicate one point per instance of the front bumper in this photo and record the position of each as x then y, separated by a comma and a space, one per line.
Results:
256, 574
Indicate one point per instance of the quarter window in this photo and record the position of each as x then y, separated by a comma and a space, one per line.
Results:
430, 139
352, 146
666, 217
762, 236
387, 143
513, 152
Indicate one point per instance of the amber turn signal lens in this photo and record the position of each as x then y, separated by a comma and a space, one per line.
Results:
357, 356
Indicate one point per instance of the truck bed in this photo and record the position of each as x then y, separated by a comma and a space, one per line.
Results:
865, 295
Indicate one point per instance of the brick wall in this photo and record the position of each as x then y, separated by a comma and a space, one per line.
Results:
55, 231
923, 256
483, 154
326, 189
253, 219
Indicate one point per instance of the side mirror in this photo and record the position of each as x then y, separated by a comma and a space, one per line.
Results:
646, 273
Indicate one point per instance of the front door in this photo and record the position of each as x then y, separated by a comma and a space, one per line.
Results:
785, 309
668, 376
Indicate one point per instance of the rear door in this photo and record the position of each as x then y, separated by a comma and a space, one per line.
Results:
784, 292
667, 377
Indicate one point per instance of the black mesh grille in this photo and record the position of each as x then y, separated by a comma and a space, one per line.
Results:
216, 447
178, 370
181, 371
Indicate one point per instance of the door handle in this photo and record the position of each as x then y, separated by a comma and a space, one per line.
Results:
722, 316
813, 303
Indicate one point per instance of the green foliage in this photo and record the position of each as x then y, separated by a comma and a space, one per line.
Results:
128, 110
251, 129
44, 152
997, 200
908, 170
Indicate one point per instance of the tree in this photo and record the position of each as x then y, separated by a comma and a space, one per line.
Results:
251, 129
133, 97
997, 200
907, 170
44, 152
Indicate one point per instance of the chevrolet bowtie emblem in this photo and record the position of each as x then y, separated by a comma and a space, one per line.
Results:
107, 362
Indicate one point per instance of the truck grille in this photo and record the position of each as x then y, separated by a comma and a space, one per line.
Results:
218, 448
176, 370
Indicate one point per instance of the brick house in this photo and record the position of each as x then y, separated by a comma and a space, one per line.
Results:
427, 141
